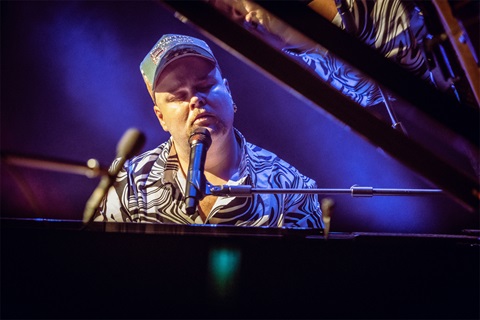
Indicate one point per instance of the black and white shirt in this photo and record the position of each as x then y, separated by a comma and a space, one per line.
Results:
395, 28
150, 188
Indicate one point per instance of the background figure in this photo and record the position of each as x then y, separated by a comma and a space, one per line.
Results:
393, 27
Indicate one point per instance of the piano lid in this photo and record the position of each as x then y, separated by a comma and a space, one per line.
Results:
442, 122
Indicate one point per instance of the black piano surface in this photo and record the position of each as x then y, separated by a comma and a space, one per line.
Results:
60, 269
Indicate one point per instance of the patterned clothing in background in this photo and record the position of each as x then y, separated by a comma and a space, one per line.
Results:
392, 27
150, 188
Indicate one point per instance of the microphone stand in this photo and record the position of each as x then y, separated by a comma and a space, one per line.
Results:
90, 169
354, 191
129, 145
327, 204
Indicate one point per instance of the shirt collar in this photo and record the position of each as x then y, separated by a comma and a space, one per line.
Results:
171, 164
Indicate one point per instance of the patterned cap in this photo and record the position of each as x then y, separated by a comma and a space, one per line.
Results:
169, 48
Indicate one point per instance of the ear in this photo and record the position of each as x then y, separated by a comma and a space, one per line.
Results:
159, 115
225, 83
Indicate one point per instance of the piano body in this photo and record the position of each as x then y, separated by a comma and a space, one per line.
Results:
59, 268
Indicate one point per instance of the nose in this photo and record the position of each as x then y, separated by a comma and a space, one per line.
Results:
197, 101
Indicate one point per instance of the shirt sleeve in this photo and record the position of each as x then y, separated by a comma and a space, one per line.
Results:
300, 210
113, 207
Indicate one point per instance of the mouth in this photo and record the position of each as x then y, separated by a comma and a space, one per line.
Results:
203, 118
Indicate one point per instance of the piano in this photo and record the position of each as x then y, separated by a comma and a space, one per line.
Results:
62, 268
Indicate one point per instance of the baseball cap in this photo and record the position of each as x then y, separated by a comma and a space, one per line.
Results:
169, 48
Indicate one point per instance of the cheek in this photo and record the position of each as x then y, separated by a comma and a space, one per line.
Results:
176, 115
221, 98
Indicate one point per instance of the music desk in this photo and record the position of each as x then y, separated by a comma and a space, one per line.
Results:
58, 269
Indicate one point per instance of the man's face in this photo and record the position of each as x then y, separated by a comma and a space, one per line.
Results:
191, 93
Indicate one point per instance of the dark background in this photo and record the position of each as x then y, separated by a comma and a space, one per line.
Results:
71, 86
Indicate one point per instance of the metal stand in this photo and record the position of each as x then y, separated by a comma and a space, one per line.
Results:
90, 169
397, 125
354, 191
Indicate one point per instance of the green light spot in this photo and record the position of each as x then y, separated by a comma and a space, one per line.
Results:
224, 266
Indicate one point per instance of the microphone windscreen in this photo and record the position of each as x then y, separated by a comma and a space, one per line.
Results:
200, 135
131, 143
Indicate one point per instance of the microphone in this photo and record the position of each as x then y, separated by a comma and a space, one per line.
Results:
129, 145
200, 141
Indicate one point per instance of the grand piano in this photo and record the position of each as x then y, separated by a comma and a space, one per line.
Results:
60, 268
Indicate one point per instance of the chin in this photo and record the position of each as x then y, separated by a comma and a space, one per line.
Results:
216, 129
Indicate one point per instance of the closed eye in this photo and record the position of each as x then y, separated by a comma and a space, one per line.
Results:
205, 87
177, 96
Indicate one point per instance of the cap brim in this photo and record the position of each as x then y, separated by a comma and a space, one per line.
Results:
161, 68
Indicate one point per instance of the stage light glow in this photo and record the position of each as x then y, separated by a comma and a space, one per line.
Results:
224, 267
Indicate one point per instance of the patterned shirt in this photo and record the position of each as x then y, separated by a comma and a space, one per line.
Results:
392, 27
150, 188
